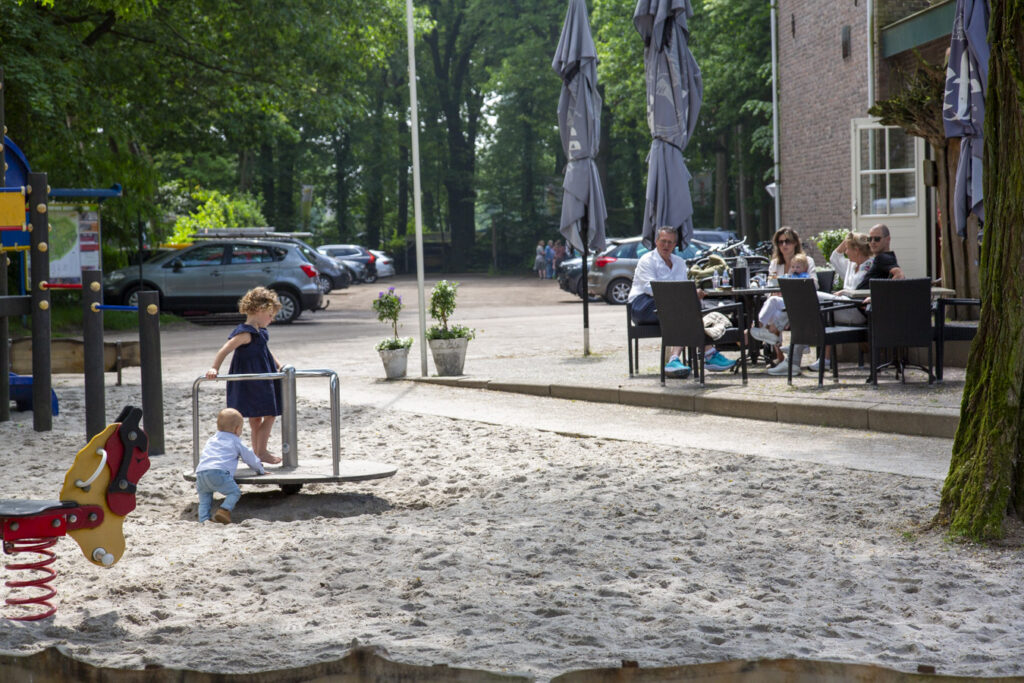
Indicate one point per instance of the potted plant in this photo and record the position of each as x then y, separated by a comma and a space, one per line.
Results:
447, 343
393, 350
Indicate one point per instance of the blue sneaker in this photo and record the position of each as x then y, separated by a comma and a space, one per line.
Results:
675, 368
718, 363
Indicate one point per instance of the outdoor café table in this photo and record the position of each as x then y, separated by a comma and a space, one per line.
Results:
752, 297
937, 292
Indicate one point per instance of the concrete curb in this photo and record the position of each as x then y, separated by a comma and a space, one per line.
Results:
904, 419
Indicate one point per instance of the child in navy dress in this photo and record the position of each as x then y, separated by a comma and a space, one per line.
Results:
258, 400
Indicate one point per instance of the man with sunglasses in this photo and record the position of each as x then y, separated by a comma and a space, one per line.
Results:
885, 264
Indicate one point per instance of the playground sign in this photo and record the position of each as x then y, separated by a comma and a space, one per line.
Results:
74, 242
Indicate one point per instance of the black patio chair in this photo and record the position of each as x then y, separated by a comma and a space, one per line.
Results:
811, 323
960, 330
901, 317
826, 280
682, 324
634, 333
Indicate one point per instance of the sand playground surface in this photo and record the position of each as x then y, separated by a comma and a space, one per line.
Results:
517, 550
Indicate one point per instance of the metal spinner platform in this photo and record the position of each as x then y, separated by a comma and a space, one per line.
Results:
290, 475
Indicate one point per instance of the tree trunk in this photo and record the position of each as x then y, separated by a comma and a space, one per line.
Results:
402, 173
986, 476
722, 184
741, 186
341, 156
267, 185
373, 174
286, 214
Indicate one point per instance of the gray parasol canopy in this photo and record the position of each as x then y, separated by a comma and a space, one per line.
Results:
674, 94
963, 105
579, 122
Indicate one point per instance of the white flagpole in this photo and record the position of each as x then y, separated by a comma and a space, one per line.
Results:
416, 185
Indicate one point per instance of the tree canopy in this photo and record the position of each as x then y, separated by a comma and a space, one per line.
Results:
263, 99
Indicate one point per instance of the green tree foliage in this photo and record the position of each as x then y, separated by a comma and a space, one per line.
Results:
147, 92
217, 210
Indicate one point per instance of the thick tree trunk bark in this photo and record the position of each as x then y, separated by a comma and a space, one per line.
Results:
986, 476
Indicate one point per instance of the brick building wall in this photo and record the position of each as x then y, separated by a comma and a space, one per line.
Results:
819, 92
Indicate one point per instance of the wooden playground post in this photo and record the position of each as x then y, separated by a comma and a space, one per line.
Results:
92, 336
42, 412
152, 377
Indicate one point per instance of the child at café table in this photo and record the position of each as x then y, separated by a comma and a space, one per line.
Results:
773, 315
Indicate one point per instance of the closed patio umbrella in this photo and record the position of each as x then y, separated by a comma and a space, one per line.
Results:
674, 94
963, 106
579, 123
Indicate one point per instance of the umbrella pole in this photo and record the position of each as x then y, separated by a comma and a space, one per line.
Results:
586, 286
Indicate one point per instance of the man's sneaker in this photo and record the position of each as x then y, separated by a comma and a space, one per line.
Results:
223, 516
764, 335
782, 369
718, 363
814, 366
675, 368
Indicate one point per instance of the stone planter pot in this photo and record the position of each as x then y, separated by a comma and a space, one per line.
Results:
395, 362
449, 355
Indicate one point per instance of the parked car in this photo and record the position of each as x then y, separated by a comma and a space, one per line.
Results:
570, 275
332, 274
385, 264
611, 275
714, 236
353, 252
357, 269
211, 276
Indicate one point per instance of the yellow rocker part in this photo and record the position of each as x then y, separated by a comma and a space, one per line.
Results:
102, 545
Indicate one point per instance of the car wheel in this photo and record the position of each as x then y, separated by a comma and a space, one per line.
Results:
131, 297
324, 283
581, 288
370, 278
618, 291
290, 308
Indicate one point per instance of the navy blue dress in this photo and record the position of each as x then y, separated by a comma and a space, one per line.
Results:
253, 398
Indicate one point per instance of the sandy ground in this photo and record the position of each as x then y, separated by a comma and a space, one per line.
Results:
505, 547
514, 549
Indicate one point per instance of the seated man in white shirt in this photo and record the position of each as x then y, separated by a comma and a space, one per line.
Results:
663, 264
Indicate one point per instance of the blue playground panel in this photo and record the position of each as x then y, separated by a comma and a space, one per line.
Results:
21, 393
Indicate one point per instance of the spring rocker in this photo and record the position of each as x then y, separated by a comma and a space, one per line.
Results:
99, 490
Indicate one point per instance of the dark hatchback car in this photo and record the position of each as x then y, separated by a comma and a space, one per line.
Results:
211, 276
353, 252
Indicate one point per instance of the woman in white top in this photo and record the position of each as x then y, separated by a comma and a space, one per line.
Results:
772, 315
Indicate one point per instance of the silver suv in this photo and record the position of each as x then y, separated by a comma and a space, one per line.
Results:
212, 276
611, 274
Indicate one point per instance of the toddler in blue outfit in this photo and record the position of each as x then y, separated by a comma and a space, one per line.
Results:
217, 465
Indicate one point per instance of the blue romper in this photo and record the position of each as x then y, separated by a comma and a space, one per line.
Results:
253, 398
